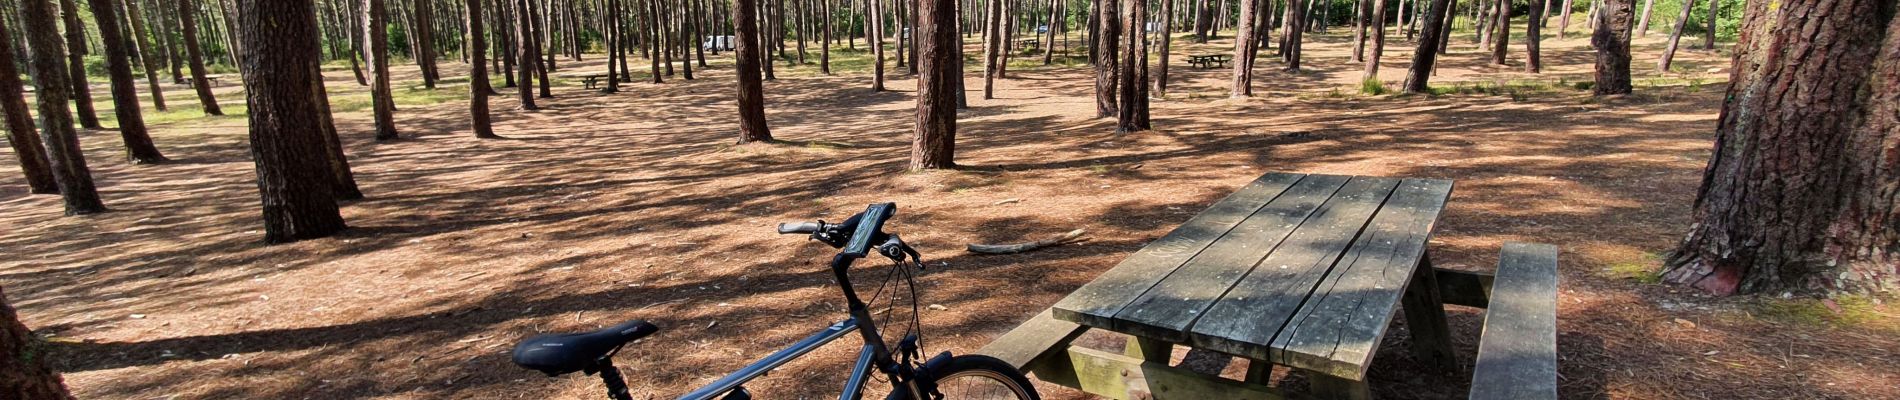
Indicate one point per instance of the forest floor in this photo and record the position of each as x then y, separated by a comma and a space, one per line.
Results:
607, 207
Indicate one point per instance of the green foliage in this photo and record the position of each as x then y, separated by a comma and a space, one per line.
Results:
1373, 86
1645, 270
1853, 311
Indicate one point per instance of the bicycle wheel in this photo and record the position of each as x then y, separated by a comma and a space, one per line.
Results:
980, 377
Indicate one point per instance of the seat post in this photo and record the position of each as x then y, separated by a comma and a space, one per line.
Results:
610, 376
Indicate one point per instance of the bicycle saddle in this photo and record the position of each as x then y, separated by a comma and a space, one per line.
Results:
562, 353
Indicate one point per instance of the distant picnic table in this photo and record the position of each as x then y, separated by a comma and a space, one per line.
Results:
1029, 43
210, 80
1205, 61
1303, 271
590, 79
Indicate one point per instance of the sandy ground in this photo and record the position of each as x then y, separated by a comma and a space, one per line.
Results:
602, 208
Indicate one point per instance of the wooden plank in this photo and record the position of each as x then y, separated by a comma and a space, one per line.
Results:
1149, 349
1465, 288
1167, 309
1032, 339
1118, 376
1517, 354
1095, 303
1244, 321
1338, 329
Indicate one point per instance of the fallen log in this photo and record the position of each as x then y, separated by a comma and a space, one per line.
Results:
1026, 246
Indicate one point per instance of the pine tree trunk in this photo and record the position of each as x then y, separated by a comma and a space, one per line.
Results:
1533, 38
1378, 41
524, 55
425, 42
1132, 114
935, 144
1362, 10
752, 126
1167, 35
1675, 37
293, 175
195, 59
1431, 36
147, 54
52, 91
537, 41
1244, 48
1107, 68
992, 46
478, 87
1708, 37
824, 47
339, 163
20, 132
1296, 18
376, 54
1803, 191
24, 372
1612, 41
1501, 40
876, 11
76, 65
1642, 22
125, 97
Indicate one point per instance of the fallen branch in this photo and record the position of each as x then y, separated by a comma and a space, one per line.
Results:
1022, 247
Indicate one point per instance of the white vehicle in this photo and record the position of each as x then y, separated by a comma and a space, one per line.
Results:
716, 43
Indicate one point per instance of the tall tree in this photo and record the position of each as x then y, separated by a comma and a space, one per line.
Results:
76, 64
1167, 35
1362, 10
424, 37
1642, 21
747, 50
339, 163
1295, 22
936, 132
188, 29
24, 370
1563, 20
1501, 40
286, 139
1378, 40
26, 141
56, 121
478, 88
611, 36
376, 54
1675, 37
1244, 49
876, 21
1533, 38
149, 55
1431, 37
1107, 37
125, 93
1132, 116
1708, 36
1612, 41
1803, 191
993, 47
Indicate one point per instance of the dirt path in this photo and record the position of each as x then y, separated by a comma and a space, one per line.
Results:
602, 208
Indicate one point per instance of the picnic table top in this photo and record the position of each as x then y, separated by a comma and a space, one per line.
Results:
1209, 56
582, 74
1298, 270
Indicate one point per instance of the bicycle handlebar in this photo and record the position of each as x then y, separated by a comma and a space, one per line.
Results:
800, 227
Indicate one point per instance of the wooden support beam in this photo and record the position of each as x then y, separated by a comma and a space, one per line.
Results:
1465, 288
1117, 376
1041, 335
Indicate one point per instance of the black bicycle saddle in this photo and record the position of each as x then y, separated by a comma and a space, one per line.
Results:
562, 353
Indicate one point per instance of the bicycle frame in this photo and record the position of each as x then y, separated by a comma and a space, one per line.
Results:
874, 354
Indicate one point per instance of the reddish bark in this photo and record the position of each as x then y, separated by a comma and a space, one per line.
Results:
24, 372
747, 49
936, 133
1612, 41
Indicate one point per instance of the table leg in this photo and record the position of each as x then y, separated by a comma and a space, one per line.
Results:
1149, 349
1259, 372
1332, 387
1425, 317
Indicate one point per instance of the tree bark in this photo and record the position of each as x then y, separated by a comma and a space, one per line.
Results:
1612, 41
936, 133
1167, 36
1708, 37
478, 87
876, 17
524, 55
188, 29
751, 97
1107, 70
125, 97
611, 35
1244, 47
1501, 40
1642, 22
425, 42
1675, 37
76, 65
1378, 41
1533, 38
1430, 37
24, 370
286, 142
376, 54
338, 162
1802, 193
56, 121
824, 46
147, 54
1132, 116
20, 132
1362, 10
1563, 22
992, 46
1296, 19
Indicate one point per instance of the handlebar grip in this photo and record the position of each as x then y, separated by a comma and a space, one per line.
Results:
798, 227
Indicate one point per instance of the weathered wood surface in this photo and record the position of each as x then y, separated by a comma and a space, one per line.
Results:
1042, 334
1517, 354
1167, 309
1117, 376
1339, 327
1245, 320
1097, 302
1465, 288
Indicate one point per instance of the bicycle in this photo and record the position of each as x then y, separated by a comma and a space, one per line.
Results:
943, 376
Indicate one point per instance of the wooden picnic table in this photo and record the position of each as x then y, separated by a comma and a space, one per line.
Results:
1205, 61
1302, 271
590, 79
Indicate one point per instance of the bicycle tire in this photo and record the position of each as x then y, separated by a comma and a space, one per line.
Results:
973, 377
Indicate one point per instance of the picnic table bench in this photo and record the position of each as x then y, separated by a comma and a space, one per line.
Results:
1029, 43
1205, 61
210, 80
591, 79
1303, 271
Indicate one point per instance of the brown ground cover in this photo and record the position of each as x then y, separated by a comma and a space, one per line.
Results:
602, 208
